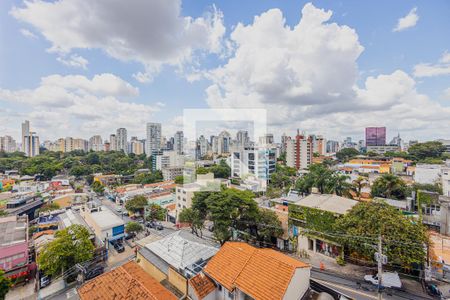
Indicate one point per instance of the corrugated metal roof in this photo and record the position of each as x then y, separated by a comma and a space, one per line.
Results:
327, 202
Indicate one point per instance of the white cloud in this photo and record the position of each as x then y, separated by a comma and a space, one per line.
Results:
306, 77
429, 70
73, 60
153, 33
28, 34
77, 106
408, 21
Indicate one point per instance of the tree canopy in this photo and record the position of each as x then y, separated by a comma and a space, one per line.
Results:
426, 150
403, 237
156, 212
70, 246
389, 186
5, 284
347, 153
222, 170
133, 227
136, 204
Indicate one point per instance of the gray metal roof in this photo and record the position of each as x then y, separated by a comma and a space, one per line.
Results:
13, 230
181, 249
327, 202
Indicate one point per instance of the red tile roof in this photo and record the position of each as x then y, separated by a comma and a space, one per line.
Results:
260, 273
127, 282
202, 285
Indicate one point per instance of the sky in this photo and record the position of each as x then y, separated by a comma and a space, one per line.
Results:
79, 68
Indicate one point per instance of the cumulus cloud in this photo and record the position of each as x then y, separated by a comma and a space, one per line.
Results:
153, 33
73, 60
306, 76
429, 70
408, 21
78, 106
28, 34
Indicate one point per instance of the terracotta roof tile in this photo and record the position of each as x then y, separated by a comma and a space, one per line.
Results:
128, 281
202, 285
260, 273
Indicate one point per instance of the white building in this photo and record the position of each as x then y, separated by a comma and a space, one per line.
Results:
445, 178
257, 161
153, 142
383, 149
96, 143
223, 142
427, 173
7, 144
30, 141
179, 141
106, 224
113, 142
168, 159
122, 140
202, 146
136, 146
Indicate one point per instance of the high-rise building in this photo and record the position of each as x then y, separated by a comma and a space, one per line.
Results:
202, 146
223, 142
122, 140
257, 161
299, 152
153, 138
112, 142
319, 144
96, 143
284, 139
332, 146
7, 144
30, 141
136, 146
179, 142
375, 136
266, 139
242, 138
80, 144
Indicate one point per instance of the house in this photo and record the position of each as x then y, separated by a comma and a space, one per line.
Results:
14, 252
106, 224
325, 207
427, 173
175, 258
127, 282
240, 271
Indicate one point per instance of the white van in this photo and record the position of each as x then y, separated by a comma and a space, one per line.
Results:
389, 279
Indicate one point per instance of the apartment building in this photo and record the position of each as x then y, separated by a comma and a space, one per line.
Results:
299, 151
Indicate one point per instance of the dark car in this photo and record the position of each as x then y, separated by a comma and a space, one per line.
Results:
94, 272
159, 226
118, 246
129, 236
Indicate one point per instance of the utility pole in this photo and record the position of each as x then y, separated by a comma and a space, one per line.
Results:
380, 266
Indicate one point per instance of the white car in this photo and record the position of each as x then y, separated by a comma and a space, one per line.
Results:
389, 280
119, 209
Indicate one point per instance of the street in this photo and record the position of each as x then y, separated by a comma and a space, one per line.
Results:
352, 289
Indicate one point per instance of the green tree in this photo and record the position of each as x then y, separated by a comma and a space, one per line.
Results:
136, 204
5, 284
426, 150
71, 245
404, 239
191, 216
146, 178
389, 186
358, 184
268, 225
338, 184
49, 207
179, 179
156, 212
319, 176
133, 227
347, 153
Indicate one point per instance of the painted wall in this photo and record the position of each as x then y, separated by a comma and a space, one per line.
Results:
299, 284
150, 268
13, 256
178, 281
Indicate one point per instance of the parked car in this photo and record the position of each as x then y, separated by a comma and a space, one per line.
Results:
159, 226
119, 209
118, 246
44, 281
389, 280
130, 235
94, 272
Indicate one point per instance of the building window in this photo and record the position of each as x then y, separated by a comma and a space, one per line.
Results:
219, 287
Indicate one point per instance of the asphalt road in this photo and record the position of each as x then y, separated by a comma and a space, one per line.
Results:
364, 291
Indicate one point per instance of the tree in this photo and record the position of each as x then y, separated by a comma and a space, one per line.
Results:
268, 225
98, 188
133, 227
146, 178
179, 179
404, 239
347, 153
389, 186
5, 284
156, 212
191, 216
358, 184
71, 245
427, 150
338, 184
136, 204
319, 176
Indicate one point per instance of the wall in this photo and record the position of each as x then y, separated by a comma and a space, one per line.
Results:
17, 249
177, 280
299, 284
427, 173
150, 268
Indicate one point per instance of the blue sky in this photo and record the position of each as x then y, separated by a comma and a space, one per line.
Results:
410, 90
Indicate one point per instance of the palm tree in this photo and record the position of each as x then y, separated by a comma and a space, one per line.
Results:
389, 185
358, 184
339, 185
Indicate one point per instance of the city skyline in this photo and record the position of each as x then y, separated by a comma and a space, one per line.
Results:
72, 82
